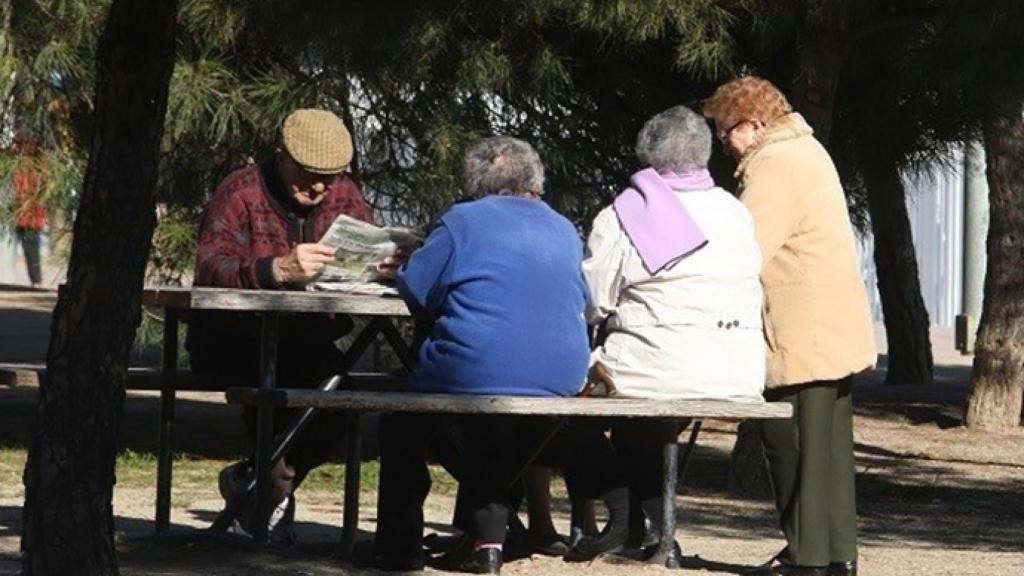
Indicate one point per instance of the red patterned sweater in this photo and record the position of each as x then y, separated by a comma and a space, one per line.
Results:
251, 219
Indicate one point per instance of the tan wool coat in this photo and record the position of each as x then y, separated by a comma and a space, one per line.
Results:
817, 321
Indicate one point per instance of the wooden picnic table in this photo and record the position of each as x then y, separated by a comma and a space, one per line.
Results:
382, 311
269, 305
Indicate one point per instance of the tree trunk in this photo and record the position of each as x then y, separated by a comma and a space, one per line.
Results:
748, 467
997, 386
69, 477
824, 44
906, 318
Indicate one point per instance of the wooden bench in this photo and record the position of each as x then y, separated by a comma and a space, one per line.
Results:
357, 402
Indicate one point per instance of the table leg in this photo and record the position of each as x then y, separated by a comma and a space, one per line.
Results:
283, 443
401, 347
665, 554
684, 460
168, 378
265, 424
353, 463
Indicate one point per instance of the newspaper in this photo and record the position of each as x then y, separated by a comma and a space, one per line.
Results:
371, 288
358, 248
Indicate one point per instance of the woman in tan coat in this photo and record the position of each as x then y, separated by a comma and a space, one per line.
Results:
817, 322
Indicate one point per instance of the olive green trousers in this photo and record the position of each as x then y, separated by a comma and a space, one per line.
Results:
810, 457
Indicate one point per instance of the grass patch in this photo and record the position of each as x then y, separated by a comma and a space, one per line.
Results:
12, 465
198, 476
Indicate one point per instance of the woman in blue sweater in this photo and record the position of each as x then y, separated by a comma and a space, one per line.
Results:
498, 293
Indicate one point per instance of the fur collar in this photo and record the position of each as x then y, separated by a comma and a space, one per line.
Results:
788, 127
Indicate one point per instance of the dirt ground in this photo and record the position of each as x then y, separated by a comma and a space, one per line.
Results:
934, 498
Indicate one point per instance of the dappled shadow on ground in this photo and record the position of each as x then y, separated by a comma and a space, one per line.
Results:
940, 403
202, 429
910, 495
911, 500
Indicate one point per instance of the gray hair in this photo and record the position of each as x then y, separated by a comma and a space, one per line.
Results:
677, 139
502, 165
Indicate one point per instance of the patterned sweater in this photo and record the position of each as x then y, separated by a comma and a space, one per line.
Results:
251, 219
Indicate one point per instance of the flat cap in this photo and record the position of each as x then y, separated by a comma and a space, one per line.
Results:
317, 140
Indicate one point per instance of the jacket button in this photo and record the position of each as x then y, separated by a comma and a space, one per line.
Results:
735, 323
721, 324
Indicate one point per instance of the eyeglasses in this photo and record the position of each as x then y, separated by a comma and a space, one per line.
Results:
723, 135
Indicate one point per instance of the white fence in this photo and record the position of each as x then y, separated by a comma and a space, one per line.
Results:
935, 202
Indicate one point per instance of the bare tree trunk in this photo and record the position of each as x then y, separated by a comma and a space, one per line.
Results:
69, 477
748, 466
906, 317
997, 386
824, 44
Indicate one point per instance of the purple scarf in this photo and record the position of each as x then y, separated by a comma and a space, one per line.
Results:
659, 226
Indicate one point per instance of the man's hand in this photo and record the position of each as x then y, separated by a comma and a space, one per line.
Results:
303, 264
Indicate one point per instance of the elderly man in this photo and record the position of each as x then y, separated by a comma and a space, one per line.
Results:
260, 230
497, 286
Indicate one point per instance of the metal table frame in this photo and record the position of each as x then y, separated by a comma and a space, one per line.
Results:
269, 305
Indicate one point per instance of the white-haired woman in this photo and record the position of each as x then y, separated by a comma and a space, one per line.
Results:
498, 286
672, 271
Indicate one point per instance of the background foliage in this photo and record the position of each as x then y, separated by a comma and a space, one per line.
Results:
418, 81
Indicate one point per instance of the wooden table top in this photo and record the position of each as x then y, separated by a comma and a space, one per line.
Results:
201, 298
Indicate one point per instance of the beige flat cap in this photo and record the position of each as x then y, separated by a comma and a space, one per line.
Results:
317, 140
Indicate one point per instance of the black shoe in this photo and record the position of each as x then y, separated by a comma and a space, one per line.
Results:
647, 553
464, 558
435, 543
610, 540
482, 561
652, 533
548, 544
615, 533
847, 568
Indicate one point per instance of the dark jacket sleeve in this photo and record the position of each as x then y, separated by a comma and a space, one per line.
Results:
223, 255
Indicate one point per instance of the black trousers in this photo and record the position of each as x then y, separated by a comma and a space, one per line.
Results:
494, 451
306, 369
30, 244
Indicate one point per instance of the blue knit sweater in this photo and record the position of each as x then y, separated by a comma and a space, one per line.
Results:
500, 280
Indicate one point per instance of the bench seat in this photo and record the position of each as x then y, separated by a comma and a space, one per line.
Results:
372, 401
356, 402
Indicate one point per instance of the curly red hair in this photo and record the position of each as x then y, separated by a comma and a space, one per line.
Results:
746, 98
